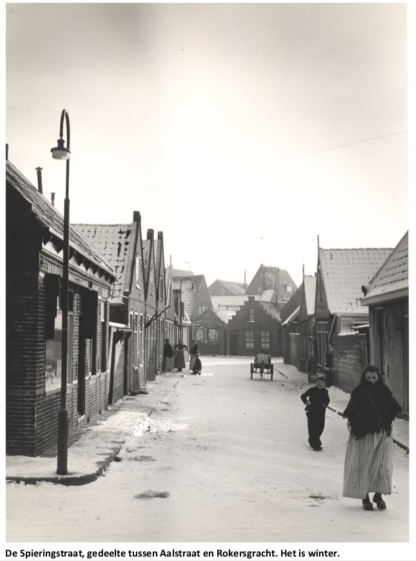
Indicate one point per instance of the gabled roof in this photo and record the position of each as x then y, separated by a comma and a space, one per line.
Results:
196, 281
113, 241
272, 279
310, 291
392, 279
290, 306
234, 287
344, 272
292, 317
50, 217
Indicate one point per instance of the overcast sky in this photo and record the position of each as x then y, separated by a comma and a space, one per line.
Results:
241, 131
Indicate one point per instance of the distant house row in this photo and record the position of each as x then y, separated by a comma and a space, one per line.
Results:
354, 311
245, 318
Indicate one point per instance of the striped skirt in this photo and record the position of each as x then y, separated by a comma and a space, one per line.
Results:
368, 466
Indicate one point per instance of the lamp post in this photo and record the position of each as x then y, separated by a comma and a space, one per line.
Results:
180, 303
62, 153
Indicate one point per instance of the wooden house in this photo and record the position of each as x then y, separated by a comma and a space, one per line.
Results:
387, 298
34, 270
306, 320
121, 245
289, 331
342, 341
254, 327
211, 331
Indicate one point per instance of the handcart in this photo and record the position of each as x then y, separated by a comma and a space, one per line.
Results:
262, 364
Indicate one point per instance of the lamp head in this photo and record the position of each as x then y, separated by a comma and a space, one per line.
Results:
60, 152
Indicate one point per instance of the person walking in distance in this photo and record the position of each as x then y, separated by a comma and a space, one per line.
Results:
368, 463
194, 353
316, 400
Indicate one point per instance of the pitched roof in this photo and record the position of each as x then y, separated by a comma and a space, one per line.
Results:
50, 217
292, 316
310, 290
293, 303
344, 272
392, 279
113, 241
234, 287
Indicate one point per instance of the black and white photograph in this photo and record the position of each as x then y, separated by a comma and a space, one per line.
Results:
206, 280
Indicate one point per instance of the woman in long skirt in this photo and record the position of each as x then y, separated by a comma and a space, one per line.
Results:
369, 457
180, 355
168, 356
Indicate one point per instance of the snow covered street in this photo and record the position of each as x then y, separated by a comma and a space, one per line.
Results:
222, 459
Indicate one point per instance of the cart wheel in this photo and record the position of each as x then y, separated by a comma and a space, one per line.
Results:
251, 370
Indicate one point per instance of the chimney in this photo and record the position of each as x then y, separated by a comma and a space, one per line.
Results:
40, 188
150, 234
160, 236
53, 199
137, 217
7, 152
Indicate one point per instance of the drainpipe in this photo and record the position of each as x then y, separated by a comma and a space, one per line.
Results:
40, 188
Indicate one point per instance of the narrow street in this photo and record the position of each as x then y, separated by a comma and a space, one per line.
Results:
229, 463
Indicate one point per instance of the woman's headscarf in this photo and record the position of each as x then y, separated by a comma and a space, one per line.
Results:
372, 407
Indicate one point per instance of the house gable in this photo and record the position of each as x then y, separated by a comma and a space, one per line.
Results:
150, 269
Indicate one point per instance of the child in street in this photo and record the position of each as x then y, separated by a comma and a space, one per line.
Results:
316, 400
197, 366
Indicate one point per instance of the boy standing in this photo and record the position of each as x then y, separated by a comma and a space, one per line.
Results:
316, 400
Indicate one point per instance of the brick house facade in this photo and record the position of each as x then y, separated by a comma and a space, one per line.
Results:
255, 326
34, 248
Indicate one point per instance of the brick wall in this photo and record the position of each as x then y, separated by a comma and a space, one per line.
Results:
24, 359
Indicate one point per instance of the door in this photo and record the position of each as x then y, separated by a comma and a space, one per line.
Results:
234, 343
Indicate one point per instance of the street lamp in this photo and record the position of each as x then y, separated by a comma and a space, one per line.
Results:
62, 153
180, 303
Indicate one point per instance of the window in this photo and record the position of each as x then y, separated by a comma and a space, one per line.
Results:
213, 336
53, 362
161, 289
322, 335
249, 339
289, 288
265, 339
251, 314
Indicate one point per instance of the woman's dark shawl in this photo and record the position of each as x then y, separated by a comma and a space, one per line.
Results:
168, 350
371, 409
